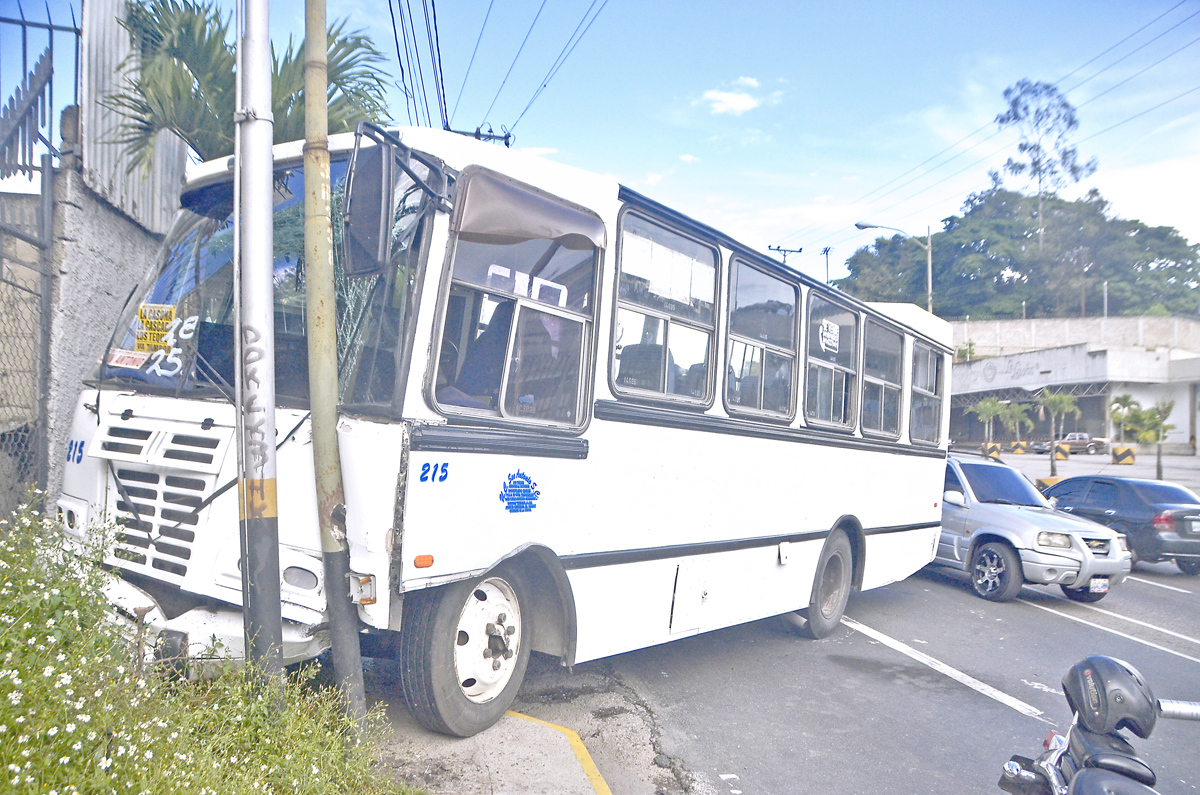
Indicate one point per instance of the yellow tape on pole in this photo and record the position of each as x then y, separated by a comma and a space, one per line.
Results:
259, 497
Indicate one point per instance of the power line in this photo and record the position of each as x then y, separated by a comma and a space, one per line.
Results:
400, 64
1143, 113
412, 24
562, 57
472, 61
435, 62
859, 200
1135, 74
514, 63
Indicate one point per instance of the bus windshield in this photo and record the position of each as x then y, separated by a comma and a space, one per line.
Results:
178, 338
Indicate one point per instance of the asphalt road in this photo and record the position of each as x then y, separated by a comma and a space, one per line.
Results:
755, 709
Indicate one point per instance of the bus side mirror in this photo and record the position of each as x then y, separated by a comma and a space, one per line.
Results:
366, 209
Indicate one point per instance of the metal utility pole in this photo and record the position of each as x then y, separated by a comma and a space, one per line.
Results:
785, 251
258, 508
927, 245
1106, 297
826, 251
321, 297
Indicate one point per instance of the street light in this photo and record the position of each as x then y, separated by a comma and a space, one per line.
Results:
927, 245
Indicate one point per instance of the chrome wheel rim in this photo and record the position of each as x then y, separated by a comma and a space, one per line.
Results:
989, 571
488, 640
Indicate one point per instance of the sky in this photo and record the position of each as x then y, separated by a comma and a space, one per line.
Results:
784, 123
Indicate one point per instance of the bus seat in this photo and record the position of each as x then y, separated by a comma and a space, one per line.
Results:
641, 367
484, 363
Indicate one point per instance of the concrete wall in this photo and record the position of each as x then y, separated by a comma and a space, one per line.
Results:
1001, 337
99, 255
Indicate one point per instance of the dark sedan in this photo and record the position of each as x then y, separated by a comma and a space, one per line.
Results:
1160, 520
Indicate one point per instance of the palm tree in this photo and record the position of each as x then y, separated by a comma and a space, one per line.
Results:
1014, 415
987, 410
181, 78
1154, 427
1058, 405
1120, 412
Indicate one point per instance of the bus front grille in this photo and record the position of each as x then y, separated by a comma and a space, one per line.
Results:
158, 514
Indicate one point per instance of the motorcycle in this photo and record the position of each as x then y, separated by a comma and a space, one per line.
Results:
1106, 696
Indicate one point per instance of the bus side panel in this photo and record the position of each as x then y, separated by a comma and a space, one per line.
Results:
371, 453
893, 556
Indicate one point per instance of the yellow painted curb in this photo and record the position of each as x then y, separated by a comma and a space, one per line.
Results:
580, 750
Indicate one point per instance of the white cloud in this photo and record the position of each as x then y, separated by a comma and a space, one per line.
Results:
653, 179
729, 102
688, 158
538, 150
749, 82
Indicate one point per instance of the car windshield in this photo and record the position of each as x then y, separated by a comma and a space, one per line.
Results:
1158, 493
1001, 484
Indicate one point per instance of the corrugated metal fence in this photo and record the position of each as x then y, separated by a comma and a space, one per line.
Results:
151, 197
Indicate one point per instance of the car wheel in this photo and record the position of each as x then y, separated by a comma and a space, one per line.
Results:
1082, 594
1189, 566
463, 651
831, 587
1092, 450
996, 572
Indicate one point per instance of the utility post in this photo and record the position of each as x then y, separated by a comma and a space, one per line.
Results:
927, 245
321, 298
785, 251
258, 506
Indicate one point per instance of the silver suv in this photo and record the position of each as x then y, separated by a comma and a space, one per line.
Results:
1002, 532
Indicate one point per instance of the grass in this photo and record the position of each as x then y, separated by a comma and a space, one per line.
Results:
80, 713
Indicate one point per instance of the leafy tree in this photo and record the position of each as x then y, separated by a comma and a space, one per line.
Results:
986, 263
1154, 427
1058, 405
1014, 416
1121, 411
987, 410
1045, 120
181, 78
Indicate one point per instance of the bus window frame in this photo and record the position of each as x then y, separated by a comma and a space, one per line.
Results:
461, 415
816, 422
940, 355
904, 385
665, 398
731, 337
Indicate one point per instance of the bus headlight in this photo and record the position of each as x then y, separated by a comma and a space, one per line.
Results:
1059, 540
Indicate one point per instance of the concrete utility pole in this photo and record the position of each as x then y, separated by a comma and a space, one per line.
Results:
258, 507
826, 251
785, 251
321, 297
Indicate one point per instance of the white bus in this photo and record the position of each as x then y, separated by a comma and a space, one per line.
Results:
572, 421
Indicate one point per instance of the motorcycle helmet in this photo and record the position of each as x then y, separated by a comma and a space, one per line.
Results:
1109, 695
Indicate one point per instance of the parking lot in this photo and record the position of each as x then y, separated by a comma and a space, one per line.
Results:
925, 689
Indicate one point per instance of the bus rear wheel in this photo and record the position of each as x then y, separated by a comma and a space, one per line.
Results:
464, 651
831, 587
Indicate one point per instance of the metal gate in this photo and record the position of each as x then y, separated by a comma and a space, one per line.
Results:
26, 273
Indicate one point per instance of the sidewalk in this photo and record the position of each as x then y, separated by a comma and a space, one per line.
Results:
1181, 469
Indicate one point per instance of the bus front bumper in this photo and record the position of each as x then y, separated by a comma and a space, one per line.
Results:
206, 633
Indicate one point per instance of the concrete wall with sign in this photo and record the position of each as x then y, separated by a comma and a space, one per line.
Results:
1005, 337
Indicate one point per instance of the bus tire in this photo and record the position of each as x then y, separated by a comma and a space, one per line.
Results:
464, 651
831, 587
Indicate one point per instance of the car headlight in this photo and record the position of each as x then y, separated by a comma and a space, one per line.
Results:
1060, 540
1122, 542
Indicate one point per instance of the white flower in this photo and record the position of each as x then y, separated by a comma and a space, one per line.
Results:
70, 727
53, 730
106, 763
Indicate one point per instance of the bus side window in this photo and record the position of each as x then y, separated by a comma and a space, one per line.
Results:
832, 363
515, 330
762, 342
883, 351
925, 418
666, 321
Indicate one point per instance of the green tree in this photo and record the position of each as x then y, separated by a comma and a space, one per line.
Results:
1014, 416
1120, 412
1045, 120
987, 410
181, 78
1058, 405
1154, 427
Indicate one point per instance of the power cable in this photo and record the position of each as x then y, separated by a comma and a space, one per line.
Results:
400, 64
441, 74
412, 24
1143, 113
562, 57
514, 63
811, 227
435, 65
1135, 74
472, 61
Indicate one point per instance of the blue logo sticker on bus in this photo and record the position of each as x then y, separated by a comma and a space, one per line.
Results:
520, 493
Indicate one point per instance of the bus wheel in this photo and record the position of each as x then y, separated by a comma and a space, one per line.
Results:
831, 587
464, 650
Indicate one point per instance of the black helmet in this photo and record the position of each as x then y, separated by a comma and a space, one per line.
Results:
1109, 695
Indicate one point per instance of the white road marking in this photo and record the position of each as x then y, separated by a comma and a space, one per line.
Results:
1106, 629
1042, 687
1163, 630
946, 670
1159, 584
727, 776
